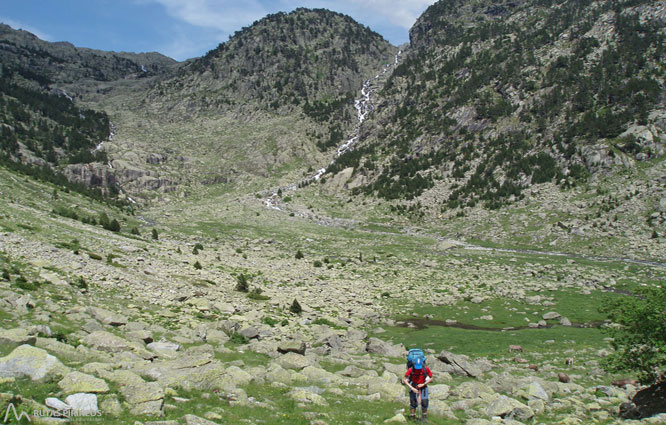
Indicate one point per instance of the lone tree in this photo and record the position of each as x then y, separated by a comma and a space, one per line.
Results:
295, 307
155, 235
640, 334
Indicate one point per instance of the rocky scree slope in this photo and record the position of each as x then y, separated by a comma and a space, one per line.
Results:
493, 97
266, 103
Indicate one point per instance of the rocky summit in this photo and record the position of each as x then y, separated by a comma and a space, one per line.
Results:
260, 235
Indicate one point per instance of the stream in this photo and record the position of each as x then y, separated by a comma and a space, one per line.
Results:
364, 107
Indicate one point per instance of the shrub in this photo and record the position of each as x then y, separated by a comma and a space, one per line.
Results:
295, 307
155, 235
197, 265
317, 263
239, 339
269, 321
5, 274
135, 231
22, 283
323, 321
299, 255
94, 256
81, 283
243, 283
199, 247
255, 294
195, 251
640, 339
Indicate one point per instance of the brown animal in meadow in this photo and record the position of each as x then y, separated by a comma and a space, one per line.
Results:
569, 361
622, 383
533, 367
519, 360
515, 348
563, 378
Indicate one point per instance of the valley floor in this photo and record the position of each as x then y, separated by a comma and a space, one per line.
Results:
200, 324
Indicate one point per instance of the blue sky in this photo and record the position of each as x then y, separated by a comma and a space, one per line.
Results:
183, 29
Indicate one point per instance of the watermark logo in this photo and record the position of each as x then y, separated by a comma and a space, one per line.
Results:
48, 413
18, 416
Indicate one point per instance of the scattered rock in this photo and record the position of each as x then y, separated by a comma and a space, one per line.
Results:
461, 365
504, 406
377, 346
145, 398
294, 361
399, 418
196, 420
107, 317
27, 360
105, 341
297, 347
83, 403
77, 382
56, 404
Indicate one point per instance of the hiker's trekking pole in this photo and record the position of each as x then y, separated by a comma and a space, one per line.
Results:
418, 405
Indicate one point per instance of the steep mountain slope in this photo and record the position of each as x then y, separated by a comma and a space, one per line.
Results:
493, 97
42, 120
269, 102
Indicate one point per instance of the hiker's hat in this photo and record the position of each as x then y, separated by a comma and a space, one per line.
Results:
418, 364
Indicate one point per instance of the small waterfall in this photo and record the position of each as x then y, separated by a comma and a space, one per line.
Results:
363, 107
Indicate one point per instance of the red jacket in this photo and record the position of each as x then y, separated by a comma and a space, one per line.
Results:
417, 376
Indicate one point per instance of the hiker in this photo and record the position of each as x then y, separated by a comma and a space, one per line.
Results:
417, 378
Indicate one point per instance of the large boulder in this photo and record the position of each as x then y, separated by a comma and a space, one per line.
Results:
461, 365
536, 392
144, 398
106, 341
107, 317
15, 337
504, 406
238, 376
276, 373
83, 403
297, 347
165, 348
196, 420
320, 376
389, 391
473, 389
293, 361
438, 391
77, 382
304, 396
377, 346
27, 360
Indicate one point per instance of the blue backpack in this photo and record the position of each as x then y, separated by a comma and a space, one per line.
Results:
415, 353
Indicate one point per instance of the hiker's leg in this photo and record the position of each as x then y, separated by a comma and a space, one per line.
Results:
424, 399
413, 403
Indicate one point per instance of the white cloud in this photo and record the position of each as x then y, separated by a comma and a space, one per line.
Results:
18, 25
401, 13
230, 15
216, 19
224, 15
